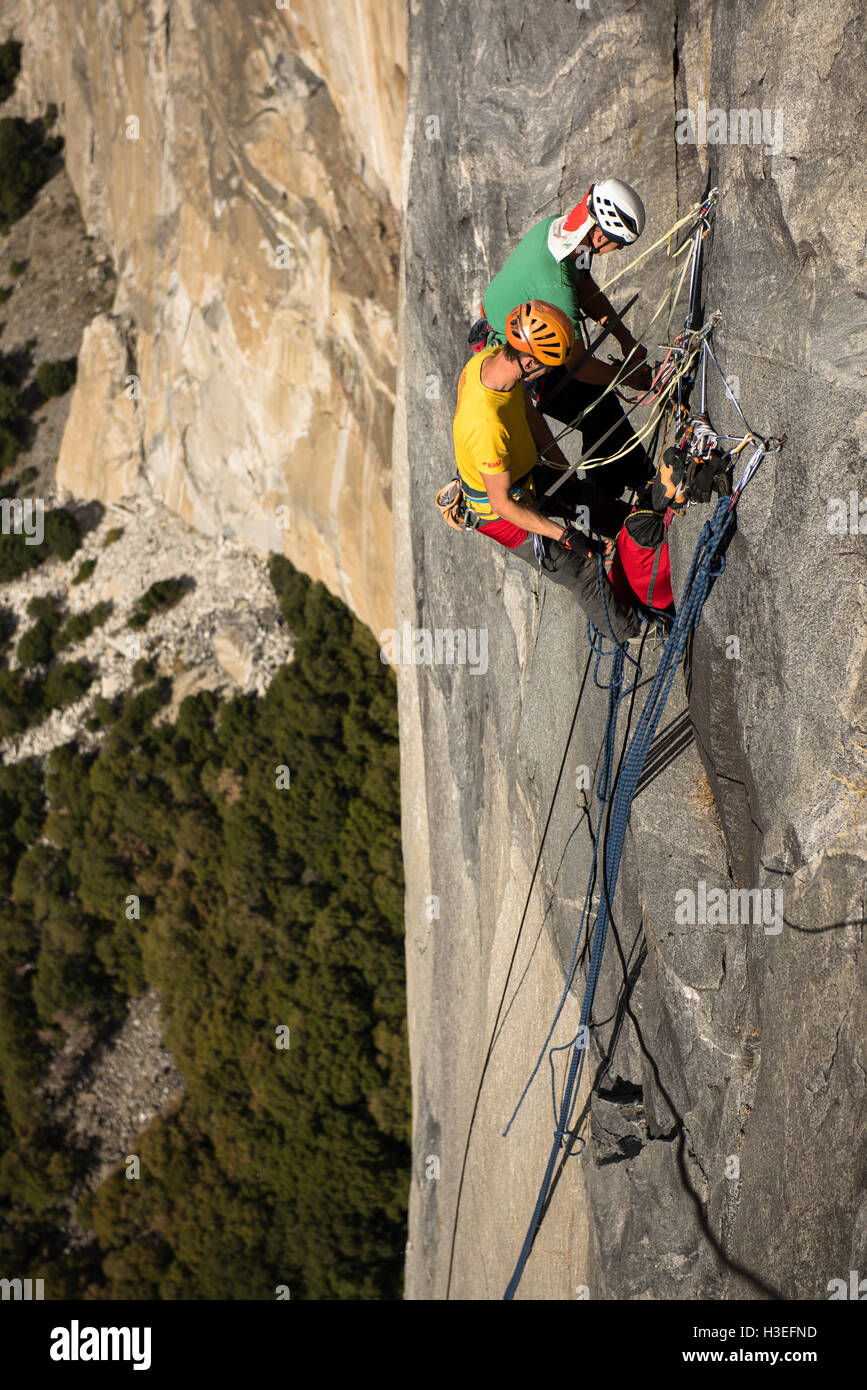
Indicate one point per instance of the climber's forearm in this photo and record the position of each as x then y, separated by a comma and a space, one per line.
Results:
598, 306
542, 436
528, 518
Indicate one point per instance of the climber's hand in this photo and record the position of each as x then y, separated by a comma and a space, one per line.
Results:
572, 539
640, 377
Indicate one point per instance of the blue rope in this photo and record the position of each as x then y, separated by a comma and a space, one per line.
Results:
603, 782
583, 921
707, 564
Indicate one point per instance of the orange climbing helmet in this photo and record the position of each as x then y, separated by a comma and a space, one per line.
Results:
542, 330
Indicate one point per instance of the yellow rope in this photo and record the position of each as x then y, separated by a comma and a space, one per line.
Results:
690, 353
680, 277
621, 375
666, 236
650, 425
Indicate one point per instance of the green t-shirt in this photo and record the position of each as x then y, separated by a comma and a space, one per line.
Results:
532, 273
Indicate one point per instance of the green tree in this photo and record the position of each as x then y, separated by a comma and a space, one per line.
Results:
79, 626
11, 405
161, 595
10, 66
66, 683
85, 570
35, 647
56, 378
256, 907
24, 161
8, 624
62, 533
20, 701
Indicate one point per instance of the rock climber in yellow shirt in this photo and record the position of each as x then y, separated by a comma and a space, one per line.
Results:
497, 435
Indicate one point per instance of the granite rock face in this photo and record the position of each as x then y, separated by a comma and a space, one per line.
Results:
724, 1136
241, 163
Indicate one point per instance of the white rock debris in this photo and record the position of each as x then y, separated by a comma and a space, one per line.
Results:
225, 634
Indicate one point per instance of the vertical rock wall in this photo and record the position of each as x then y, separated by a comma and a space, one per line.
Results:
714, 1042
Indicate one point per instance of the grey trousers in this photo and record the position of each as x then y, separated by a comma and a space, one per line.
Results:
581, 577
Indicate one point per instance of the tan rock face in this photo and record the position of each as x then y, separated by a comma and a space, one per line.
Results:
234, 645
245, 172
101, 451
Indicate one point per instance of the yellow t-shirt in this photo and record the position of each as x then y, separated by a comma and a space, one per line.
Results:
491, 434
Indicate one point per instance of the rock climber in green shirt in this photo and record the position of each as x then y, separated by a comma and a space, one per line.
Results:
552, 263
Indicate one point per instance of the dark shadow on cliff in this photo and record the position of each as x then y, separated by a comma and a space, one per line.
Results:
690, 642
630, 975
668, 745
89, 514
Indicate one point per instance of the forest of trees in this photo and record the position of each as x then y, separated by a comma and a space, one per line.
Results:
246, 861
26, 150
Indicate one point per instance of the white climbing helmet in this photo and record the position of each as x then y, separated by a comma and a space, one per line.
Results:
618, 210
612, 205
